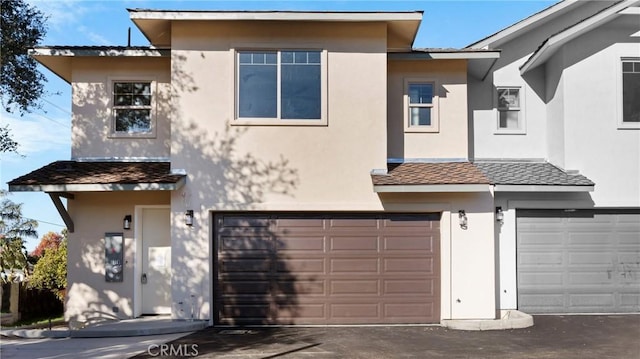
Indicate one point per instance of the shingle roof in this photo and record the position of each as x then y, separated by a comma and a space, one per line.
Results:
73, 172
430, 174
530, 173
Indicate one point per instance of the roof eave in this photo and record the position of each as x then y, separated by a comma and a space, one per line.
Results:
97, 187
543, 188
444, 55
433, 188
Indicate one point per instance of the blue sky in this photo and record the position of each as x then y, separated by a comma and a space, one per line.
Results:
45, 135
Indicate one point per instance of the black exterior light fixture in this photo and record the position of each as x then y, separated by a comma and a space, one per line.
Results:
126, 222
188, 217
499, 215
462, 217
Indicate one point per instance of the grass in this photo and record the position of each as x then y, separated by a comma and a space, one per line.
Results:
41, 322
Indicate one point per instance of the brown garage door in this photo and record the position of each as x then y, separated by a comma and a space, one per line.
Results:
327, 269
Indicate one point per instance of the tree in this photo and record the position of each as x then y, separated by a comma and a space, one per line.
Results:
13, 229
21, 84
51, 270
7, 144
51, 240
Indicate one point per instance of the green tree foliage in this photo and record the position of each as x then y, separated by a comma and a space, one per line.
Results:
21, 84
51, 270
7, 144
13, 229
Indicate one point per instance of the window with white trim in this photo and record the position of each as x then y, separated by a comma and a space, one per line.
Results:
631, 91
279, 85
132, 107
509, 110
421, 101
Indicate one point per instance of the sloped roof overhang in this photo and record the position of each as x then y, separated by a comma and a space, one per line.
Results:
58, 59
555, 42
156, 24
479, 61
74, 176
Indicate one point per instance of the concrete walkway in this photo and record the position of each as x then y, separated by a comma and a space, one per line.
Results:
144, 326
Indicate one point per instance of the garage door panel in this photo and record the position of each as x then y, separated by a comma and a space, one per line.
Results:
287, 243
579, 266
353, 243
245, 221
328, 269
349, 265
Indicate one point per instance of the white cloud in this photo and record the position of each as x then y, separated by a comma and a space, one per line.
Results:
95, 38
36, 134
60, 13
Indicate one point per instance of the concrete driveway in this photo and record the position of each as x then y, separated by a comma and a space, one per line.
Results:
580, 337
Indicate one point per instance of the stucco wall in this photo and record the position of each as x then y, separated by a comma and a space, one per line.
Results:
450, 77
92, 130
230, 167
594, 142
89, 296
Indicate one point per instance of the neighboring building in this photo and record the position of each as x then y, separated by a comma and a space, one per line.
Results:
565, 92
297, 168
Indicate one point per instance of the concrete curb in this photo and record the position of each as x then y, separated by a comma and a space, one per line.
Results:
106, 332
511, 319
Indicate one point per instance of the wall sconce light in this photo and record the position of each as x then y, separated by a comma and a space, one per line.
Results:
126, 222
462, 216
188, 217
499, 215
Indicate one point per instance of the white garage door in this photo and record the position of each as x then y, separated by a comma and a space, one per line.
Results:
584, 261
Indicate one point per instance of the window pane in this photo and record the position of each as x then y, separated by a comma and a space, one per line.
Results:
631, 97
301, 91
287, 57
245, 58
141, 100
509, 120
143, 88
136, 121
636, 67
627, 67
123, 100
123, 88
420, 93
508, 98
420, 116
257, 91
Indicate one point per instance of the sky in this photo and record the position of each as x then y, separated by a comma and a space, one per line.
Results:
44, 135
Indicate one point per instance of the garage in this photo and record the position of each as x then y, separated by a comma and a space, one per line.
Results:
578, 261
326, 268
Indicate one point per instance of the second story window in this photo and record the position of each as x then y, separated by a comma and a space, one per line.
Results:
279, 85
421, 110
509, 114
631, 92
132, 108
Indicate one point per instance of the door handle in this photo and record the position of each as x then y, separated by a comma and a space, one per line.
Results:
143, 278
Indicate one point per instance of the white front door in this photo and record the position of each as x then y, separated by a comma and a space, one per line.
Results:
156, 261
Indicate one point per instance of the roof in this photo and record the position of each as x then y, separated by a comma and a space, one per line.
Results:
156, 24
431, 177
541, 175
445, 53
518, 176
74, 176
554, 42
523, 25
58, 58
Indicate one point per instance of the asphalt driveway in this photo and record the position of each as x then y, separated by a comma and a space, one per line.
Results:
551, 337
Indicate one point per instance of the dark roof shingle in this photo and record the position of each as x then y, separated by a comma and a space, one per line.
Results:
530, 173
431, 174
73, 172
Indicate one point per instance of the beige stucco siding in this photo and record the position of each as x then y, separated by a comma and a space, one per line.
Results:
92, 107
94, 214
450, 78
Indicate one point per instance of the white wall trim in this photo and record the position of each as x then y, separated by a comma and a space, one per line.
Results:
433, 188
542, 188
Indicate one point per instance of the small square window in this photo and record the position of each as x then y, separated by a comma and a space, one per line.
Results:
132, 107
420, 106
509, 110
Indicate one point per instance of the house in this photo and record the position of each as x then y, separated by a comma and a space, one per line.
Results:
283, 167
564, 92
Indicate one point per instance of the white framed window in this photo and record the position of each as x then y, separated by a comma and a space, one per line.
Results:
510, 119
281, 87
421, 106
630, 93
132, 108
